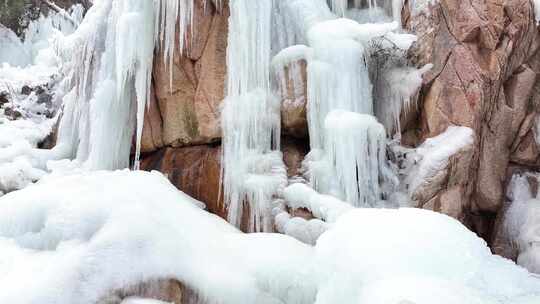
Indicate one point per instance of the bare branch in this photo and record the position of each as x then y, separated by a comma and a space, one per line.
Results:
60, 11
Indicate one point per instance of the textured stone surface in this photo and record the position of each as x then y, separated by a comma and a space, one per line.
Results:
194, 170
293, 89
166, 290
189, 103
484, 77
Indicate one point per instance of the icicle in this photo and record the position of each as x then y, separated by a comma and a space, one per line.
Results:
339, 7
173, 20
253, 170
112, 55
356, 149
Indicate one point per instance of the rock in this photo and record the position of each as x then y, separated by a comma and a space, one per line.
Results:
484, 77
13, 114
26, 90
151, 139
294, 99
189, 105
194, 170
4, 98
294, 152
166, 290
447, 190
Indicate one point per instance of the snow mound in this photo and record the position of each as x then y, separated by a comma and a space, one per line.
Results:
107, 230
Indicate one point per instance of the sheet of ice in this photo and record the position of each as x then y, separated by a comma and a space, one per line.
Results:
104, 231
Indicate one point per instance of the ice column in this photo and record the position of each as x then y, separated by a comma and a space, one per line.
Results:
253, 170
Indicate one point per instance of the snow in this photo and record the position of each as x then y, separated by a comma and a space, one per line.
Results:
110, 228
80, 233
433, 155
324, 207
458, 269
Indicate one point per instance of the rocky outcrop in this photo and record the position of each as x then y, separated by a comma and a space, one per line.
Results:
194, 170
484, 77
189, 96
293, 91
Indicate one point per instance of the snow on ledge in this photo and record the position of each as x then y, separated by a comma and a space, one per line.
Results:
435, 152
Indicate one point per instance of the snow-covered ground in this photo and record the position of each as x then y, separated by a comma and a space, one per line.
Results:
77, 233
107, 230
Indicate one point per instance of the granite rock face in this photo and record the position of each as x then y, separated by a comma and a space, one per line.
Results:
189, 92
485, 57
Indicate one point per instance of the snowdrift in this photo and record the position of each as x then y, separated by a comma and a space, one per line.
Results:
73, 239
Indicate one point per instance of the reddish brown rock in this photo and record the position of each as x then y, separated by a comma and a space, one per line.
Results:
293, 89
194, 170
484, 77
153, 126
294, 150
189, 103
166, 290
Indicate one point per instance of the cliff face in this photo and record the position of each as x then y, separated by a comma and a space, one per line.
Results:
485, 57
484, 76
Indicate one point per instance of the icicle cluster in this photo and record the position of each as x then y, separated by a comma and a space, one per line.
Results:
253, 169
108, 65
